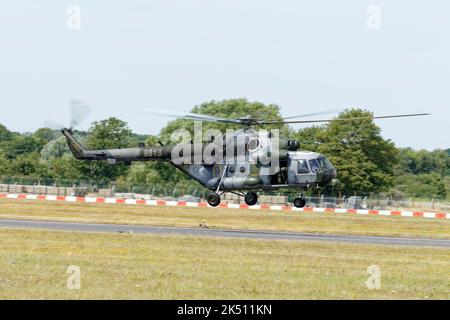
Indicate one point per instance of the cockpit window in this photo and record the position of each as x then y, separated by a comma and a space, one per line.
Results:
322, 163
314, 166
302, 167
329, 165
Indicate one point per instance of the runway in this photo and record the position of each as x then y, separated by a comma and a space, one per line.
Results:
224, 233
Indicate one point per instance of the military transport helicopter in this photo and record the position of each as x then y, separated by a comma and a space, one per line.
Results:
242, 162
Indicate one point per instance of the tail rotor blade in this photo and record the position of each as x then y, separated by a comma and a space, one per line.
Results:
53, 125
79, 111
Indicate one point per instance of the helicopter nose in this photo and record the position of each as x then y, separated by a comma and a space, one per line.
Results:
329, 175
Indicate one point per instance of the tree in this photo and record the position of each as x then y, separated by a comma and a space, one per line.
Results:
29, 165
364, 160
21, 145
45, 135
111, 133
64, 168
4, 163
423, 161
422, 185
5, 134
106, 134
55, 149
232, 108
309, 137
408, 162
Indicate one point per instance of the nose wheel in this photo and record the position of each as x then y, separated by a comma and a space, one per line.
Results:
300, 202
213, 199
251, 198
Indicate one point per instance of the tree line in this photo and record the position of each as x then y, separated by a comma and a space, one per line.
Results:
366, 162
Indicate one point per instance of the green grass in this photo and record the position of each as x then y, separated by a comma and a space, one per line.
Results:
126, 266
226, 218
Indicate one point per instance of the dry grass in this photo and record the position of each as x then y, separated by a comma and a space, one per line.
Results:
126, 266
226, 218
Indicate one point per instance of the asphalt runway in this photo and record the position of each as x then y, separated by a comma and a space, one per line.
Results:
224, 233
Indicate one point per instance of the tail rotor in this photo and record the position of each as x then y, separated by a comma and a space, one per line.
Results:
79, 111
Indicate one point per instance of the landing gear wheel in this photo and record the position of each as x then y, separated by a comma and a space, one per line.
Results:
251, 198
299, 202
213, 199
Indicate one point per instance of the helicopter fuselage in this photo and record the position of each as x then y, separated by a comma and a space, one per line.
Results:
258, 165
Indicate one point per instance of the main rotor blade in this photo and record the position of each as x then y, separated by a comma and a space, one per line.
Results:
312, 114
189, 116
347, 119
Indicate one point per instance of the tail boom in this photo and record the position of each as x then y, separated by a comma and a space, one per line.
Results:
113, 156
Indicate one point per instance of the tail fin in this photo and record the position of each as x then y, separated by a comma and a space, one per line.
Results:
77, 149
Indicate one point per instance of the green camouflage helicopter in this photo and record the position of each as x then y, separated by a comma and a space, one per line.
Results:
242, 162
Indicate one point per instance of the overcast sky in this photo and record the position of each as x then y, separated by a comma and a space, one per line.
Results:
165, 54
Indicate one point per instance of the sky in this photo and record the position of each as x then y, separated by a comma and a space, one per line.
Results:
386, 56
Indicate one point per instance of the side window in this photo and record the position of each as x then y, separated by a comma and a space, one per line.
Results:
314, 166
302, 167
217, 171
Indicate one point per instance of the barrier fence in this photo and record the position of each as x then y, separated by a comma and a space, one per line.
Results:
195, 193
154, 202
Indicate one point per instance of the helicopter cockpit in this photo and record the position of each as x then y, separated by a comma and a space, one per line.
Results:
310, 168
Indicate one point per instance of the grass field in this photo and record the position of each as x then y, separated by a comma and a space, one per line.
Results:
226, 218
33, 265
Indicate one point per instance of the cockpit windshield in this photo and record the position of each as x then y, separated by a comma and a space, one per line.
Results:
322, 163
314, 165
329, 165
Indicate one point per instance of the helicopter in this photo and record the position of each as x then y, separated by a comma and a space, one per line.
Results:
241, 162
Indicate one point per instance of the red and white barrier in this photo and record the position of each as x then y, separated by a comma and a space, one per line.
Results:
438, 215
